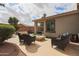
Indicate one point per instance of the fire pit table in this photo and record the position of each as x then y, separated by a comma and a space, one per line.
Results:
40, 38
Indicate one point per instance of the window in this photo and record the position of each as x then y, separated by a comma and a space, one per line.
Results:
50, 26
40, 26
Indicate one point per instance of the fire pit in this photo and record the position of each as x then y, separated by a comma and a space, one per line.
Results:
40, 38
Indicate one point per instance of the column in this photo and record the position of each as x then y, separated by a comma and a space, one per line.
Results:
44, 27
35, 27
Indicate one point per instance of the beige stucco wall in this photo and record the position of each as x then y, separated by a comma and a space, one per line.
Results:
66, 24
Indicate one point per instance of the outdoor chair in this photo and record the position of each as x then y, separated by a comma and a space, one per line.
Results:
21, 40
33, 38
61, 42
78, 37
28, 39
74, 38
39, 32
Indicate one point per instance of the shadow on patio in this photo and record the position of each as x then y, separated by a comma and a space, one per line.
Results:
32, 48
71, 50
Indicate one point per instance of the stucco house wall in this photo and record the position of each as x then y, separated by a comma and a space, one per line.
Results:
69, 23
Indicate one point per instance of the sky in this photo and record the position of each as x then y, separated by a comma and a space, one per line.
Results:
26, 12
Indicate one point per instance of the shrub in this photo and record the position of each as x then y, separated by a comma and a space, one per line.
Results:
6, 32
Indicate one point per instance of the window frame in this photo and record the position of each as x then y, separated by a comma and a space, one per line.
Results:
51, 31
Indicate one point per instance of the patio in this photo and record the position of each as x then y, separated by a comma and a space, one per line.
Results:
49, 26
45, 49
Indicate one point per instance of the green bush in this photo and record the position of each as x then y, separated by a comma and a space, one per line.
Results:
6, 32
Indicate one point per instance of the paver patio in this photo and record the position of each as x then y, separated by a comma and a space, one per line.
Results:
43, 48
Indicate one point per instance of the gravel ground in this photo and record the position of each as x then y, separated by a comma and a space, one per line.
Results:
10, 49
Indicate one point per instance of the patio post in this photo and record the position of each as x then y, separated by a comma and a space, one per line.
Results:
35, 27
44, 27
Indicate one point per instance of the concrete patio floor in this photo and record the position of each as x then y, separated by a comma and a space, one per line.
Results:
43, 48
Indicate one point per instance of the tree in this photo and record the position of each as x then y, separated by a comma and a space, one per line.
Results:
1, 4
13, 21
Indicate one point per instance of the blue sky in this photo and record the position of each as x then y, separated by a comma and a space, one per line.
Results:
27, 12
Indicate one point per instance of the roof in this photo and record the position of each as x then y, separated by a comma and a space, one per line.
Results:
23, 25
56, 16
40, 20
